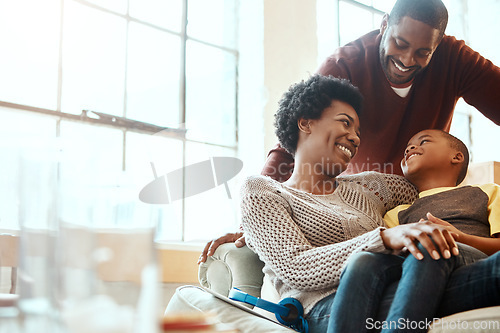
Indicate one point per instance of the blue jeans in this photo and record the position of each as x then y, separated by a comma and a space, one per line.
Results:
370, 298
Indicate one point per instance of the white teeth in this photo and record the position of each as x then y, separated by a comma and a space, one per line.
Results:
411, 156
345, 150
399, 67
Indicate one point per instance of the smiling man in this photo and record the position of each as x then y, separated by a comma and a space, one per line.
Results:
411, 75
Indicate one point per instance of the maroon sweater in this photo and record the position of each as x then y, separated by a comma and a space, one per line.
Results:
389, 121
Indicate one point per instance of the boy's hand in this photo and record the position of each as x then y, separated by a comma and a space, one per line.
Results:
408, 235
238, 238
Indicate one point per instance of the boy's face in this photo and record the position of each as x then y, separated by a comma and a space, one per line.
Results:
427, 152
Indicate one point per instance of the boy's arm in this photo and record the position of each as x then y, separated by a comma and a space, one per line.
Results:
391, 218
485, 244
493, 192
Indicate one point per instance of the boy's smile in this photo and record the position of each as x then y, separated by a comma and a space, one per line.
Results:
425, 150
429, 157
410, 155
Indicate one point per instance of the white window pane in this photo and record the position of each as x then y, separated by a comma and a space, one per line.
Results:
211, 94
150, 155
460, 126
354, 22
92, 158
119, 6
485, 135
98, 150
384, 5
213, 21
93, 60
18, 130
213, 212
365, 2
166, 14
91, 167
377, 20
153, 76
29, 35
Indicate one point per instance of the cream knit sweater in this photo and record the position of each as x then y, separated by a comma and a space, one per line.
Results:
305, 239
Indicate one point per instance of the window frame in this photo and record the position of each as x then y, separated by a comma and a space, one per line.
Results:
130, 125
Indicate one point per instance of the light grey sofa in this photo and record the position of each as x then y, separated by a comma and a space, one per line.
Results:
240, 267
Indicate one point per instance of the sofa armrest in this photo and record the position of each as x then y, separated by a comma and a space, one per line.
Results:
232, 267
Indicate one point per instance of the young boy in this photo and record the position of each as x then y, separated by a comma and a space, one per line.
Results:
436, 162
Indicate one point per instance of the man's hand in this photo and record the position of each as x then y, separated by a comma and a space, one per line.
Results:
238, 238
407, 235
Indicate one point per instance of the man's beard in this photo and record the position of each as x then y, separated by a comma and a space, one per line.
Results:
384, 62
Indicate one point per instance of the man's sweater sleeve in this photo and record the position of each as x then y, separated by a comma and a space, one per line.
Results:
279, 164
479, 79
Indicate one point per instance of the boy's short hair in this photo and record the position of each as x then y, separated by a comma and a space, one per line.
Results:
307, 100
458, 145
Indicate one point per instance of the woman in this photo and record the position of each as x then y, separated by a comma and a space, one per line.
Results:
306, 228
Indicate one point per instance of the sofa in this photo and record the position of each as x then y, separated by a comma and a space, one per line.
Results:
239, 267
229, 267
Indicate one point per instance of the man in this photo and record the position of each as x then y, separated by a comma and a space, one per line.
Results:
411, 76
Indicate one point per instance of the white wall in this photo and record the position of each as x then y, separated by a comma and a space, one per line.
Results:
278, 47
251, 91
290, 52
476, 22
483, 31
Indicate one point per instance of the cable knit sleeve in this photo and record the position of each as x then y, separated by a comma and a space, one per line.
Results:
272, 231
403, 192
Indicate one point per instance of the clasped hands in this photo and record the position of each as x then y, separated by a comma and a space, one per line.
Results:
398, 238
436, 236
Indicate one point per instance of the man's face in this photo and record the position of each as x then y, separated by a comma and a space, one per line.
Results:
406, 48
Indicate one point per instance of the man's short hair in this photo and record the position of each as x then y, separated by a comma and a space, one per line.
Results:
430, 12
458, 145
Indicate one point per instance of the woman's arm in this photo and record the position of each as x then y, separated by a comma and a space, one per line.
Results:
271, 231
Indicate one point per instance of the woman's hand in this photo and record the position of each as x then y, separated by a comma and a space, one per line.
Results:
407, 235
238, 238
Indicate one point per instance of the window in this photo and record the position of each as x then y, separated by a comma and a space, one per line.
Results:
137, 67
358, 18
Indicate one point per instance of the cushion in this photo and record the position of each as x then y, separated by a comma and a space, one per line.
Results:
485, 320
232, 267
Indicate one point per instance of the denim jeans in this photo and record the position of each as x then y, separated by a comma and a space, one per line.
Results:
397, 294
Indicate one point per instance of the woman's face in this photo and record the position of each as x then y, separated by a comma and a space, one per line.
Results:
333, 139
